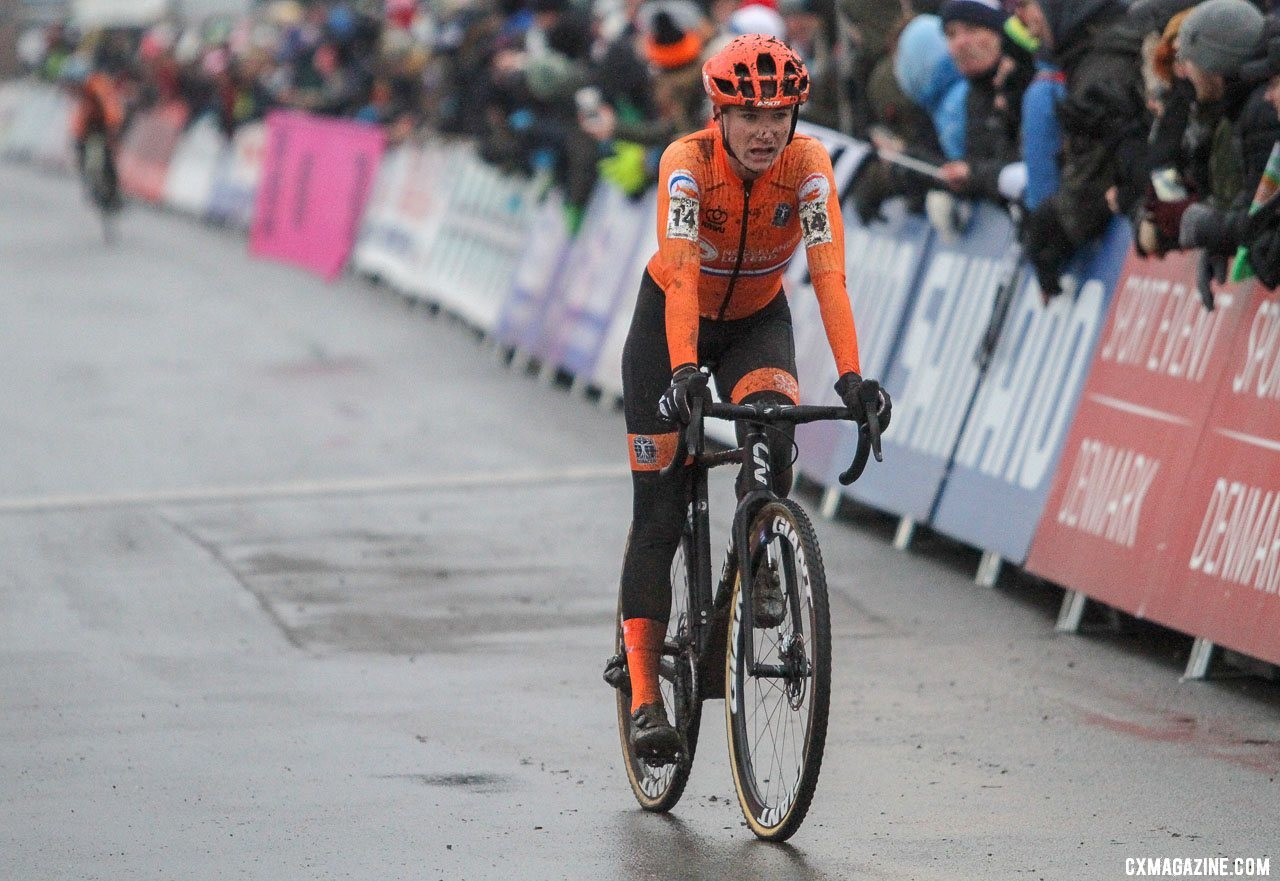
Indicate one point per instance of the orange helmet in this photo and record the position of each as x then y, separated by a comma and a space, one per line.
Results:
755, 70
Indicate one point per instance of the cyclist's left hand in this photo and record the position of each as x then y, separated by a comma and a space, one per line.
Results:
858, 393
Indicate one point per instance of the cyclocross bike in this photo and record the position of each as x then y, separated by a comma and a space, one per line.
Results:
776, 680
101, 183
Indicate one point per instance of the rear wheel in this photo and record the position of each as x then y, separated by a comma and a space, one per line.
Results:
659, 787
100, 183
778, 698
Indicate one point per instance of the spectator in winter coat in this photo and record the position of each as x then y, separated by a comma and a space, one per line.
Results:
928, 77
1261, 232
1222, 50
870, 24
632, 143
1171, 145
1104, 126
975, 31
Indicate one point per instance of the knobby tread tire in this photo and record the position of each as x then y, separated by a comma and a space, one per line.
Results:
780, 822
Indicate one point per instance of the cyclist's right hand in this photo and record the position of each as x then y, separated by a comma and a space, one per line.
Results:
861, 394
687, 385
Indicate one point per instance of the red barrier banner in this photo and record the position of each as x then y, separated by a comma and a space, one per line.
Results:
1118, 492
316, 178
148, 146
1220, 574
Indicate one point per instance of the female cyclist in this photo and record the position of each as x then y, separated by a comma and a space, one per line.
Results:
735, 200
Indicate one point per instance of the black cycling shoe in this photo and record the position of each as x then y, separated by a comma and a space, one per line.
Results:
652, 736
768, 602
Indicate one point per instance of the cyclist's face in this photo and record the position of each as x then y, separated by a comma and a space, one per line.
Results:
756, 137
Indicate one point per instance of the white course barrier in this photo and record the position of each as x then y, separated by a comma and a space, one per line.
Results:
37, 129
201, 154
235, 183
12, 96
447, 228
404, 213
480, 239
608, 369
589, 288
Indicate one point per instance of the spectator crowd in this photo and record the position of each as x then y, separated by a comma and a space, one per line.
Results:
1068, 112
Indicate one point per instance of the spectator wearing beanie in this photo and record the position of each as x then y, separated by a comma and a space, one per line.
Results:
667, 46
1216, 39
632, 145
1223, 50
675, 56
1104, 121
993, 107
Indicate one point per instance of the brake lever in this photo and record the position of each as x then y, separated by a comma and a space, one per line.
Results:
688, 439
868, 443
693, 431
873, 430
859, 458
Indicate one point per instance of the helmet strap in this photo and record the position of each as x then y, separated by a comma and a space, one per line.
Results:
724, 137
795, 118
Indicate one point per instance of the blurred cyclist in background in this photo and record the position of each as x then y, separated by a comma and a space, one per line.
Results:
99, 113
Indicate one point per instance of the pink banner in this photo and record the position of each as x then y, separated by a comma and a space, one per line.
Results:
316, 178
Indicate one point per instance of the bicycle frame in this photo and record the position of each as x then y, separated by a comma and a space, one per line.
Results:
754, 451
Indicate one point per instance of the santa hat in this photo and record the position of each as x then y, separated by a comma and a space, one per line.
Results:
756, 18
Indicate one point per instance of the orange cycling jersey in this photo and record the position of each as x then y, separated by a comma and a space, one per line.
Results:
98, 108
723, 243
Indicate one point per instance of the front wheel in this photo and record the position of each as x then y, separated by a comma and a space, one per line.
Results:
779, 677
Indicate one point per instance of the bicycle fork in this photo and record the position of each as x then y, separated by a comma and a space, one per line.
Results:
759, 467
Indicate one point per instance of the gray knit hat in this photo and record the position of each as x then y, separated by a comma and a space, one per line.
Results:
1219, 35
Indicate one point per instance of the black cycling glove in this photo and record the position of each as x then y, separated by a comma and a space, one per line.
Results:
858, 393
687, 385
1047, 247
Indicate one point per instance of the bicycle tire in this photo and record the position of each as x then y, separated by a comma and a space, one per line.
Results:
102, 188
772, 722
658, 787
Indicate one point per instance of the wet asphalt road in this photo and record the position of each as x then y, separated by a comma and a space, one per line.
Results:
298, 582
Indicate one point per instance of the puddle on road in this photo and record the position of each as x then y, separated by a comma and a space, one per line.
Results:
478, 783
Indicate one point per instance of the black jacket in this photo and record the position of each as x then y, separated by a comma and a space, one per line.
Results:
993, 120
1104, 122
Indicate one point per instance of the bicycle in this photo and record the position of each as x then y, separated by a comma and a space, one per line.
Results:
101, 183
776, 677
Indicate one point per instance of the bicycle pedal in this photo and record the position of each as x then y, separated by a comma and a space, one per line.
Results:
616, 673
656, 759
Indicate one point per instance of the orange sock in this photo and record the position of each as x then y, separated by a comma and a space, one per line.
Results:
643, 639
